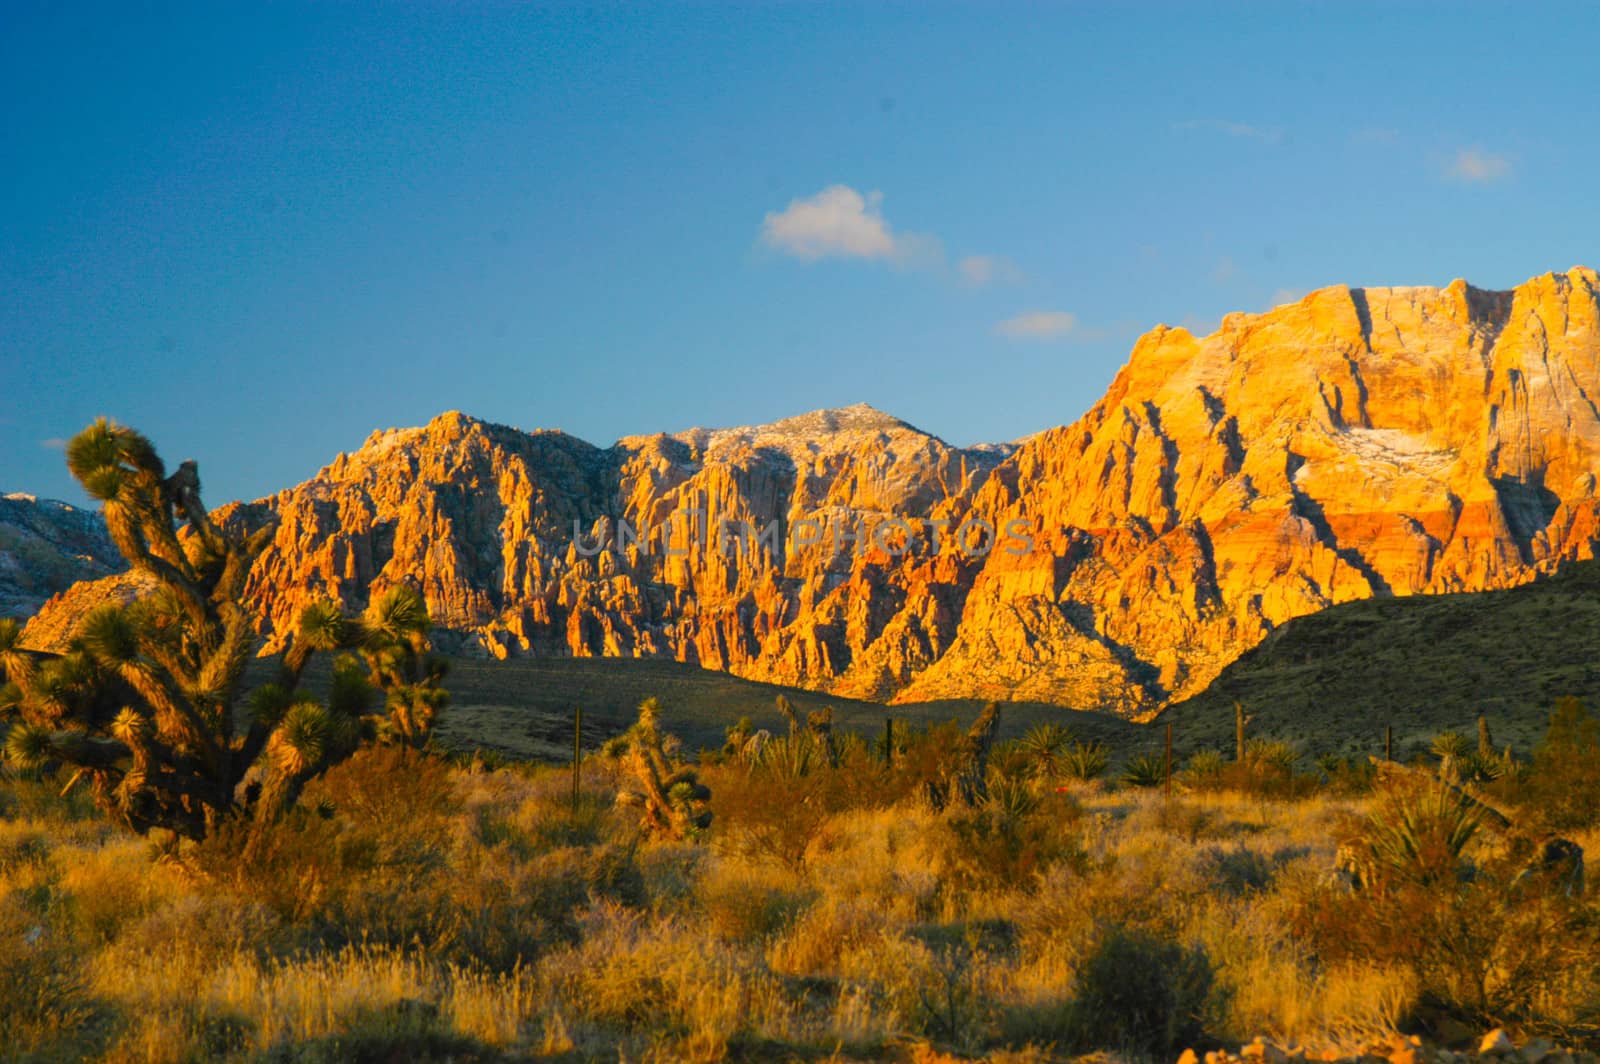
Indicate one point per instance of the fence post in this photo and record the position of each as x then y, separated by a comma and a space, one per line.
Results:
1388, 742
1169, 760
888, 741
577, 752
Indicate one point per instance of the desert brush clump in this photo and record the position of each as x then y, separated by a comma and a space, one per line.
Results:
148, 708
483, 912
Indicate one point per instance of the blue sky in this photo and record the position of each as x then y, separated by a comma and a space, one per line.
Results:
258, 233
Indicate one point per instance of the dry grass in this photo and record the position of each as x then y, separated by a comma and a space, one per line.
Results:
434, 913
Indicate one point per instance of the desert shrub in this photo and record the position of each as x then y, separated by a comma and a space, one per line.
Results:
1236, 870
43, 1001
390, 790
1346, 775
1562, 786
1008, 840
1139, 993
744, 909
1484, 943
951, 1002
1043, 748
404, 1030
1188, 821
775, 807
1084, 761
1145, 770
1205, 770
1479, 951
1269, 769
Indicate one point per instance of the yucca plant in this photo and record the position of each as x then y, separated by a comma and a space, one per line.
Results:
1273, 755
1013, 798
1451, 745
1206, 768
145, 704
1043, 747
789, 757
1145, 770
1421, 836
1084, 761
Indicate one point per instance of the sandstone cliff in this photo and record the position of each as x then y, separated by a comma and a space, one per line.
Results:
1359, 442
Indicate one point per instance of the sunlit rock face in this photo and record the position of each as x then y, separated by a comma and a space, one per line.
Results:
1359, 442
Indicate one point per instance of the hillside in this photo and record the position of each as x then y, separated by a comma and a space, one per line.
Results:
522, 707
1422, 665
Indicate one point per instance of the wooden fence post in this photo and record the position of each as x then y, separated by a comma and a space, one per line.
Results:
577, 752
1169, 760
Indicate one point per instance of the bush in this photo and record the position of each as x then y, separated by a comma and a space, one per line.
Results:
1485, 943
1145, 770
1563, 785
1084, 761
1141, 994
776, 807
1008, 840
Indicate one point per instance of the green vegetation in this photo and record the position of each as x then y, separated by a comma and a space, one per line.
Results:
145, 702
1422, 664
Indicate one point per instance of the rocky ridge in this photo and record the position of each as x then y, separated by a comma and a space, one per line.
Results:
45, 548
1356, 443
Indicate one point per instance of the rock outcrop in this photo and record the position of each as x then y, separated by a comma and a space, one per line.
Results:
45, 548
1359, 442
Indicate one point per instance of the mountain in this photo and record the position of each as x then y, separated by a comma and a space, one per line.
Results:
1358, 443
45, 548
1419, 665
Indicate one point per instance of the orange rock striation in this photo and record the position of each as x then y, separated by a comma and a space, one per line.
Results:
1359, 442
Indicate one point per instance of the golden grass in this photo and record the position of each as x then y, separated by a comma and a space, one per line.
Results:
494, 917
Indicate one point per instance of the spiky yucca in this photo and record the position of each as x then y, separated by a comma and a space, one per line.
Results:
1085, 761
1043, 746
1145, 770
147, 701
1420, 835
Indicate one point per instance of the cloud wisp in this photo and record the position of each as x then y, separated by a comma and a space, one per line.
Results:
841, 223
1039, 325
1476, 166
978, 271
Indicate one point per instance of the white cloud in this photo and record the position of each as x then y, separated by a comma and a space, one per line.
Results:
1286, 295
54, 443
980, 270
1038, 325
840, 222
1224, 270
1269, 134
1477, 165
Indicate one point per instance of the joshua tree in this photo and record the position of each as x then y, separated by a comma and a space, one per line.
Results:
674, 801
144, 702
964, 778
819, 727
